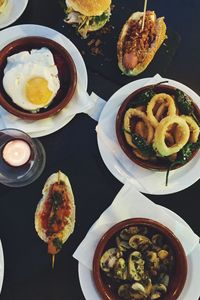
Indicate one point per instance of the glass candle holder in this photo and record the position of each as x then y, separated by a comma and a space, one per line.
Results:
22, 159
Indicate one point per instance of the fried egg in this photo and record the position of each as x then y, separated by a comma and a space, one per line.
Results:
31, 79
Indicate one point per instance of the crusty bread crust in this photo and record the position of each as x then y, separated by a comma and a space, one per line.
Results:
89, 7
136, 15
3, 4
160, 37
120, 46
69, 228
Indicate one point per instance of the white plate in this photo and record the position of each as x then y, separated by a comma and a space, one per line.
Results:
191, 290
1, 266
13, 10
16, 32
186, 176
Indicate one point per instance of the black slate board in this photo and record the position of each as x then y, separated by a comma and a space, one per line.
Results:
106, 64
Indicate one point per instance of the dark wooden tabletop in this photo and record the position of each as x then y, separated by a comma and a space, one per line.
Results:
73, 149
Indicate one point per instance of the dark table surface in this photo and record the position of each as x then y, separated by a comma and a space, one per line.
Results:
73, 149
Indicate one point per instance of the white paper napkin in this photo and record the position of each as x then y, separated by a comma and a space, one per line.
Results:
81, 102
143, 177
129, 203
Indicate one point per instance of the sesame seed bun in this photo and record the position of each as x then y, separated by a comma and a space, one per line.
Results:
89, 7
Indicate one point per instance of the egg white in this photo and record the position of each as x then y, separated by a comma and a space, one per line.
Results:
22, 67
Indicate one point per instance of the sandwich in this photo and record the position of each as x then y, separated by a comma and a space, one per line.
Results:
136, 47
87, 15
55, 213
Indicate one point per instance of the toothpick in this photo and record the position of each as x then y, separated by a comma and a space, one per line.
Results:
59, 174
144, 14
53, 261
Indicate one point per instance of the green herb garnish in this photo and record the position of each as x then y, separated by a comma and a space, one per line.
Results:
145, 97
57, 243
183, 156
99, 19
145, 148
185, 105
56, 200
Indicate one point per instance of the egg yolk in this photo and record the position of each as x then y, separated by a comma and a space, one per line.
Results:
37, 91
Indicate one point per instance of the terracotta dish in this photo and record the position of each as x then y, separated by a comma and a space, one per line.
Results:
108, 286
159, 163
66, 73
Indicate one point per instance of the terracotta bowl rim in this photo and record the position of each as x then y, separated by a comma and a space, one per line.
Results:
45, 42
173, 241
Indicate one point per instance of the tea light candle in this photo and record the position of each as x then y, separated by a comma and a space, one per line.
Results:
16, 153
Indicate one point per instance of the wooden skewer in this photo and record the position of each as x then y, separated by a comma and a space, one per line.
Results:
144, 14
53, 255
53, 261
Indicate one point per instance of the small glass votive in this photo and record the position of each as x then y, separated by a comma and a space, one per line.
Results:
22, 159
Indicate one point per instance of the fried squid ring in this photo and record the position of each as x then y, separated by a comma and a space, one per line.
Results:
161, 131
194, 128
169, 139
163, 101
140, 129
131, 113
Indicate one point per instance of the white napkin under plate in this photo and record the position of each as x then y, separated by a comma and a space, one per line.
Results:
152, 182
129, 203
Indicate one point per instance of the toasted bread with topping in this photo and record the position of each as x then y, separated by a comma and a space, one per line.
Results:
55, 213
136, 48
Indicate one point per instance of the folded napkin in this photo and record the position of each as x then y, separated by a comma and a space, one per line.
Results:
142, 177
80, 103
129, 203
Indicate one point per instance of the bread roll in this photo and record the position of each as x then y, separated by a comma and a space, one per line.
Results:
136, 48
3, 4
89, 7
45, 210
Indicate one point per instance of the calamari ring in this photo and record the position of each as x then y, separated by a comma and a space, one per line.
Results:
161, 131
194, 128
133, 112
160, 111
140, 129
169, 138
164, 100
141, 108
